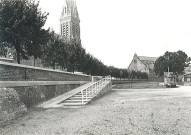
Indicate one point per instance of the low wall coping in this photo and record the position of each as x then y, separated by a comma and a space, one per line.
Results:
37, 68
37, 83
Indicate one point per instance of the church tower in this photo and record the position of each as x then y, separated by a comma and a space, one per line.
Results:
69, 21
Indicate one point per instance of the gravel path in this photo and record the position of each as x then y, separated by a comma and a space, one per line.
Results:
121, 112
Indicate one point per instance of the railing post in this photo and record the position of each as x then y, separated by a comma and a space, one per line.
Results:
82, 96
91, 89
94, 88
99, 85
86, 94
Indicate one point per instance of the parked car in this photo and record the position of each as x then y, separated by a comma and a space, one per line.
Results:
171, 85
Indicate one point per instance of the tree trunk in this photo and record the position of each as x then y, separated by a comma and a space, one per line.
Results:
18, 57
54, 66
34, 62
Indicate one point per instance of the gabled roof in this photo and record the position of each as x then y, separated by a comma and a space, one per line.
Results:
148, 62
144, 58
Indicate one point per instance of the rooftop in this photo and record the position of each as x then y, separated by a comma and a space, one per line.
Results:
145, 58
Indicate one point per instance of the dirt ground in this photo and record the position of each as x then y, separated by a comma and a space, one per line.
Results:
121, 112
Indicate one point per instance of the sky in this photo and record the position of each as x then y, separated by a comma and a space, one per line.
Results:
113, 30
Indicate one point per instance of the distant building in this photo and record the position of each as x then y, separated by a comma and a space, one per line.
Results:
187, 79
143, 64
187, 69
69, 21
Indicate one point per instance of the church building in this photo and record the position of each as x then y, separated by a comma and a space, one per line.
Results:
70, 22
142, 64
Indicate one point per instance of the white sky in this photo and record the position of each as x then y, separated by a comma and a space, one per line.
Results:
113, 30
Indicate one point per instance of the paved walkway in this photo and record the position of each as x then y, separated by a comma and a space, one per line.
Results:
121, 112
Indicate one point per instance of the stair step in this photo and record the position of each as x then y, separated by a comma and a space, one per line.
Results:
80, 95
80, 106
83, 92
74, 104
77, 98
68, 100
74, 97
74, 101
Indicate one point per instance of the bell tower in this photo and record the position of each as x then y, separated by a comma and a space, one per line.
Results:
70, 22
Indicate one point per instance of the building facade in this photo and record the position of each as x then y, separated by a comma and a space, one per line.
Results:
142, 64
70, 22
187, 79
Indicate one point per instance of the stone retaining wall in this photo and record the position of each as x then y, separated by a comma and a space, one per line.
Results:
17, 72
10, 105
15, 99
34, 95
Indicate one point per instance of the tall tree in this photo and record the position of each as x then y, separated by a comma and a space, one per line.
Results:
55, 52
21, 24
50, 51
74, 54
175, 61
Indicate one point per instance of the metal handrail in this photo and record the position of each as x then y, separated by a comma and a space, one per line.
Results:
91, 90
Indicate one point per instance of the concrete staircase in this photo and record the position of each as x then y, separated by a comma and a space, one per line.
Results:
78, 97
76, 100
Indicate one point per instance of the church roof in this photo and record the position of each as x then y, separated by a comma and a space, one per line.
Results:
148, 61
144, 58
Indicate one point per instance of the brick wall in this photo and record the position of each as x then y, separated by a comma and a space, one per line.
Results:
16, 72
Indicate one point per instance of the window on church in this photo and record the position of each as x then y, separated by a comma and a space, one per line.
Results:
66, 31
73, 29
61, 30
63, 27
76, 29
65, 10
67, 25
135, 61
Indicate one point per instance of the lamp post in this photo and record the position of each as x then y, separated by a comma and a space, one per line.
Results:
168, 66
